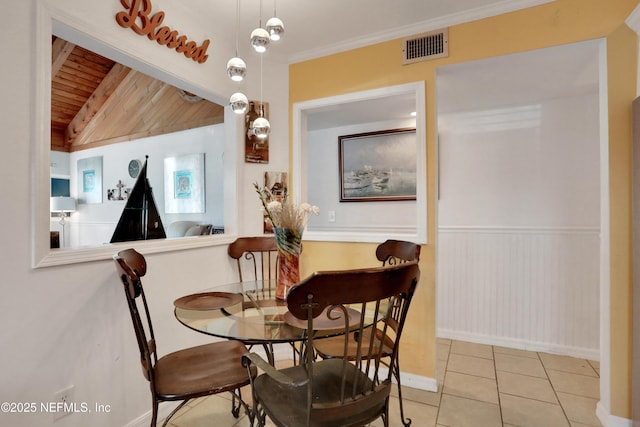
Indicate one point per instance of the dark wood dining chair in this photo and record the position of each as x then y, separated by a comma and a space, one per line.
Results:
185, 374
256, 257
338, 392
390, 252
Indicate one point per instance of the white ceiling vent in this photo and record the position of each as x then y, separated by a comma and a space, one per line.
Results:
426, 46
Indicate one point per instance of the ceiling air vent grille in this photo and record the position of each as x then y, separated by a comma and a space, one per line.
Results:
426, 46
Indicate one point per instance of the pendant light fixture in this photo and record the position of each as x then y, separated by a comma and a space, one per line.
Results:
261, 126
236, 67
260, 36
238, 103
236, 70
275, 26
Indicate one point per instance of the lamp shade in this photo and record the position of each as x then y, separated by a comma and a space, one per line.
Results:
238, 102
260, 40
261, 127
63, 204
236, 69
275, 28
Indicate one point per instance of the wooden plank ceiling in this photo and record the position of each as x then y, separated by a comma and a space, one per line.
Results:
96, 101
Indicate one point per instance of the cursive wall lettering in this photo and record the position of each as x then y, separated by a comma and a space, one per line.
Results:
138, 17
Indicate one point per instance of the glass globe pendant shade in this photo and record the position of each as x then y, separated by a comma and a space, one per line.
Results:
238, 103
260, 40
275, 28
236, 69
261, 127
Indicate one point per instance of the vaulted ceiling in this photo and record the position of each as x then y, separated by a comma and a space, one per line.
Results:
96, 101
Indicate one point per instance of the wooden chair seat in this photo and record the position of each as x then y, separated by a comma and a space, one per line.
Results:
287, 406
201, 371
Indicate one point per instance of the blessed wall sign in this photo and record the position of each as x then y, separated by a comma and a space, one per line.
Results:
137, 16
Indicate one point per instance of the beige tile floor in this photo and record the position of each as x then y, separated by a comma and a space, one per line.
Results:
479, 386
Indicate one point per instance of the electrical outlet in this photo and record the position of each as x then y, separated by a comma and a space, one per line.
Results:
332, 216
63, 401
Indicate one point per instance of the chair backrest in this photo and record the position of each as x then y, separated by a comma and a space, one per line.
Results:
382, 297
394, 252
131, 266
256, 257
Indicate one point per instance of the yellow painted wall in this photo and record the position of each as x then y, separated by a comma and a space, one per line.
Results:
621, 67
551, 24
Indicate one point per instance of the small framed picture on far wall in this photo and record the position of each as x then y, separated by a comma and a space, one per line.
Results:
90, 180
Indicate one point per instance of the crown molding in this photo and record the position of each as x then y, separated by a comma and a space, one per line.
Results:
497, 8
633, 21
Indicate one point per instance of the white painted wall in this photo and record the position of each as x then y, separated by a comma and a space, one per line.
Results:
519, 226
69, 325
324, 187
532, 165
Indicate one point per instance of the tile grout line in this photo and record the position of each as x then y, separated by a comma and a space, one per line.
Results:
555, 393
495, 372
446, 369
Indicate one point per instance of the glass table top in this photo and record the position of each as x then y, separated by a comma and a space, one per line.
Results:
249, 312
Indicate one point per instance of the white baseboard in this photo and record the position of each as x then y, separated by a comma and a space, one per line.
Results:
609, 420
581, 353
418, 381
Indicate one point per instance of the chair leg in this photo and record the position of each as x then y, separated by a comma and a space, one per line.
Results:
268, 349
154, 413
385, 415
177, 408
235, 409
396, 373
258, 416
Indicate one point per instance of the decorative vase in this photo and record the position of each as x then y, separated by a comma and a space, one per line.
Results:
289, 242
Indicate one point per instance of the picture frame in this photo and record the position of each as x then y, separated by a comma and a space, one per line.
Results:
256, 150
378, 166
276, 182
90, 180
184, 184
60, 187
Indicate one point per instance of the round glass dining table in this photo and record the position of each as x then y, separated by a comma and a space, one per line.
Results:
249, 312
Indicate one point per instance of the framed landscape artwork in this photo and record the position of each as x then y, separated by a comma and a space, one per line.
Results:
378, 166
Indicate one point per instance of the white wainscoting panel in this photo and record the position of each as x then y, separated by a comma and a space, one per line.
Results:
529, 288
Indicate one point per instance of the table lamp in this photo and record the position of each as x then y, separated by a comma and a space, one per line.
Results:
64, 206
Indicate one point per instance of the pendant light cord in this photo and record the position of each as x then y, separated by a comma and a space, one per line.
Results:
237, 24
261, 103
